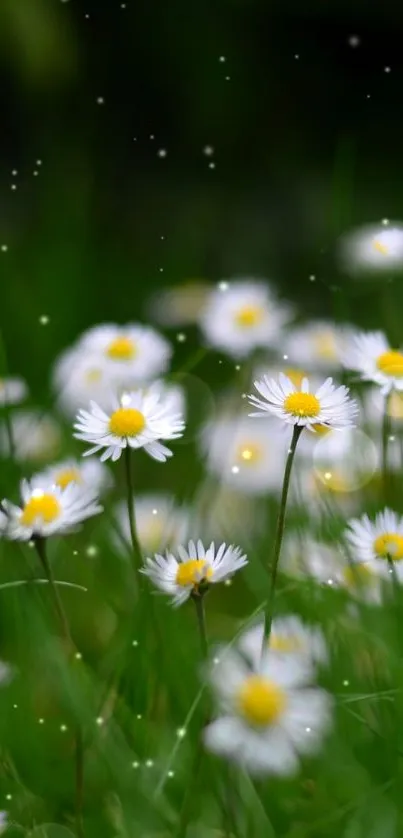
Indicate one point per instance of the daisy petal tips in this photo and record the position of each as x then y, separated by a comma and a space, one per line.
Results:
137, 420
195, 566
328, 405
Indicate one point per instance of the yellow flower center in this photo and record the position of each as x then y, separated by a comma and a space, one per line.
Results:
325, 346
93, 376
261, 701
69, 475
192, 572
389, 546
358, 575
44, 507
281, 643
302, 404
121, 349
322, 430
395, 405
391, 363
296, 376
126, 421
249, 316
380, 247
249, 453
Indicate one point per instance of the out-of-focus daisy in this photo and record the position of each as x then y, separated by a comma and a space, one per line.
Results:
224, 514
180, 305
319, 492
245, 454
373, 406
316, 345
36, 436
344, 461
194, 567
329, 405
90, 474
12, 391
271, 719
377, 543
373, 248
304, 557
48, 510
241, 316
80, 377
137, 421
160, 523
290, 640
132, 353
370, 355
3, 821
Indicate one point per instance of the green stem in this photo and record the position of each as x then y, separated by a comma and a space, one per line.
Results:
79, 763
9, 431
386, 428
268, 617
40, 545
198, 600
136, 549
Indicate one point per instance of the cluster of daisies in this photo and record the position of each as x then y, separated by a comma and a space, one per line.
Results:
112, 382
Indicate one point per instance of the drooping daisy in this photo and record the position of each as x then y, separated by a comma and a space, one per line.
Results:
132, 353
372, 357
160, 523
12, 391
90, 474
138, 420
373, 248
377, 543
195, 566
36, 436
271, 718
245, 454
242, 315
180, 305
48, 510
329, 405
290, 640
316, 345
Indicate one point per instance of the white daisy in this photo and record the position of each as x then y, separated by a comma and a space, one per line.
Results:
245, 454
180, 305
12, 391
47, 510
90, 474
316, 345
131, 354
270, 718
377, 543
329, 405
241, 316
373, 248
303, 557
160, 523
79, 377
319, 491
344, 461
137, 421
371, 356
36, 436
373, 407
195, 566
290, 639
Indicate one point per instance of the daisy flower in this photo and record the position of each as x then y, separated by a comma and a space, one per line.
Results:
241, 316
373, 248
370, 355
12, 391
290, 640
137, 420
303, 557
78, 378
329, 405
90, 474
271, 718
316, 345
245, 454
48, 510
159, 522
131, 354
36, 436
180, 305
195, 566
377, 543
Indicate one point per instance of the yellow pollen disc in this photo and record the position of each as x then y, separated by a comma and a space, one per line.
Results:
322, 430
281, 643
121, 349
389, 546
302, 404
325, 346
192, 572
69, 475
249, 316
93, 376
395, 404
380, 247
126, 421
296, 376
46, 507
249, 453
357, 575
391, 363
261, 701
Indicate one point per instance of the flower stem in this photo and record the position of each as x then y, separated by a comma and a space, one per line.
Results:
136, 549
40, 545
79, 768
198, 600
268, 617
386, 428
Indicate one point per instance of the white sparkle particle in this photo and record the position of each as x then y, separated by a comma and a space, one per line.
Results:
39, 162
78, 656
162, 152
41, 721
235, 469
346, 683
15, 706
35, 173
208, 150
392, 438
228, 583
308, 729
223, 286
154, 511
162, 238
100, 100
285, 357
222, 58
63, 728
211, 165
161, 270
227, 78
44, 320
171, 774
181, 337
135, 764
385, 222
14, 172
237, 367
244, 395
4, 248
91, 550
149, 763
152, 136
327, 475
86, 17
9, 796
13, 186
216, 661
387, 69
296, 56
312, 278
31, 544
123, 5
139, 716
354, 41
330, 582
100, 721
75, 552
181, 732
135, 643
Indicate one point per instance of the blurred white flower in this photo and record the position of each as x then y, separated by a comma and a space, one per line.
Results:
291, 640
344, 461
241, 316
179, 305
303, 556
137, 421
271, 718
36, 436
78, 378
196, 565
160, 523
370, 355
48, 510
317, 345
373, 407
132, 354
377, 544
89, 474
374, 248
12, 391
329, 405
